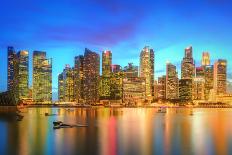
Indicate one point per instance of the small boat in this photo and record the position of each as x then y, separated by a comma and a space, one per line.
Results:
19, 117
59, 124
47, 114
162, 110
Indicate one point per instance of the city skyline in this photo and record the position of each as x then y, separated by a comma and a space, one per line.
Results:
125, 36
157, 73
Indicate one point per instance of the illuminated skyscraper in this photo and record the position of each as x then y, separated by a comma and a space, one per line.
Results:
198, 88
91, 76
172, 82
205, 59
106, 63
161, 88
68, 76
185, 89
220, 76
199, 84
106, 75
209, 80
11, 59
61, 88
79, 78
116, 82
187, 65
21, 76
147, 70
42, 78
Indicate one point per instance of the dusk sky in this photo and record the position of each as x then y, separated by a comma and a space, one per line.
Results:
64, 28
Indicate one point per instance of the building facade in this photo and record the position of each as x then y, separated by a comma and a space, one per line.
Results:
185, 89
161, 88
91, 76
11, 60
205, 59
79, 78
42, 78
220, 76
147, 70
199, 88
22, 76
61, 88
131, 71
106, 75
187, 65
172, 82
209, 80
134, 90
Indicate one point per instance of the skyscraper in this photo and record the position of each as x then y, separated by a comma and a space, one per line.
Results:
187, 65
199, 84
79, 78
172, 82
147, 70
42, 78
205, 59
199, 88
185, 89
161, 87
68, 78
11, 59
91, 76
21, 75
61, 88
220, 76
209, 80
106, 63
106, 75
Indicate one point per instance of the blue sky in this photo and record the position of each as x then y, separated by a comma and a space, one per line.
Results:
64, 28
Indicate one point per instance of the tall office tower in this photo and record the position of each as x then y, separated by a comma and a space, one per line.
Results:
199, 84
185, 89
68, 76
187, 65
42, 78
172, 82
220, 76
21, 75
209, 81
116, 83
11, 59
106, 63
131, 71
61, 88
106, 75
198, 88
91, 76
205, 59
162, 87
200, 72
79, 78
147, 69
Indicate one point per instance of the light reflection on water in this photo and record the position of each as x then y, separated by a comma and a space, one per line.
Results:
119, 131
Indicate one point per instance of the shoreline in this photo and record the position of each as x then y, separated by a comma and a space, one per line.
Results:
12, 108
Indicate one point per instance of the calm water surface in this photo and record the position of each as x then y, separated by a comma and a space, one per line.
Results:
119, 131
